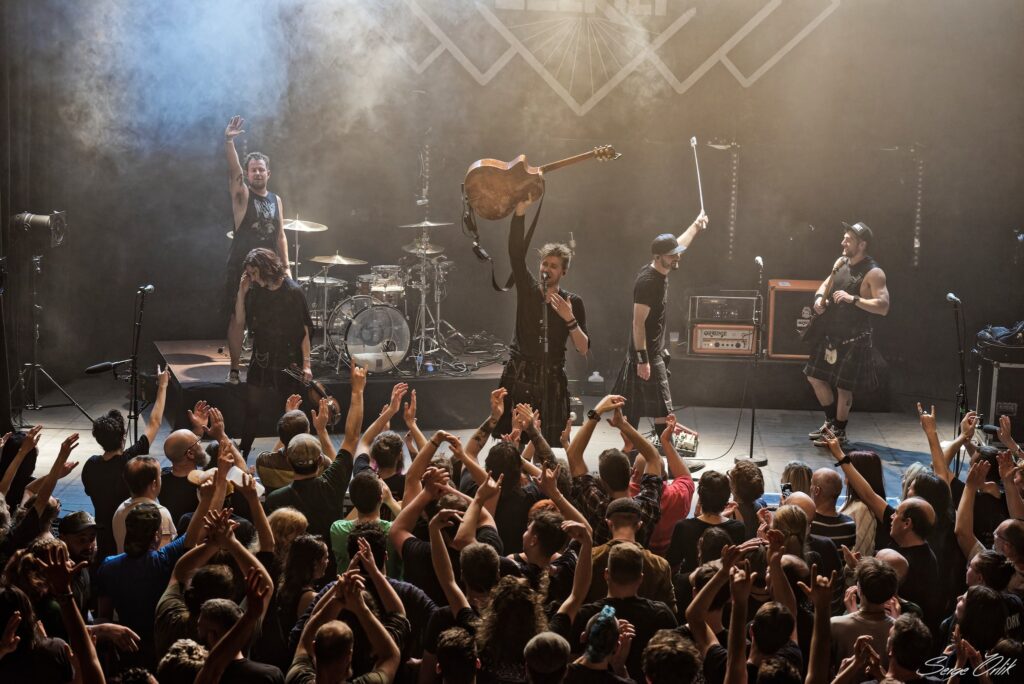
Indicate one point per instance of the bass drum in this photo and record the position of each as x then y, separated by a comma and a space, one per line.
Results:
373, 335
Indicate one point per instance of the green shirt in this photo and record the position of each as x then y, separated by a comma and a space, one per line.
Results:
340, 531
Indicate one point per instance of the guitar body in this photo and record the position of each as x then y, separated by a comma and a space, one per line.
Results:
494, 188
814, 333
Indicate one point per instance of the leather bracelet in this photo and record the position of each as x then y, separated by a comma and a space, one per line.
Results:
843, 461
818, 296
641, 356
572, 326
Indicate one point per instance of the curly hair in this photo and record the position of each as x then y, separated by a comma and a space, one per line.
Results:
182, 662
266, 262
286, 523
254, 156
747, 482
671, 658
109, 430
386, 450
514, 615
299, 571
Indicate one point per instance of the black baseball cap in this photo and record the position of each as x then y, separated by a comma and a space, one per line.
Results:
860, 230
76, 522
665, 245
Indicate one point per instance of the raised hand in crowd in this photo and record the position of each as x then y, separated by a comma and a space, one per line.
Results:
199, 418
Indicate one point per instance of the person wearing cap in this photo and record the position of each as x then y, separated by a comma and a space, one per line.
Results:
643, 379
624, 520
78, 532
524, 374
842, 362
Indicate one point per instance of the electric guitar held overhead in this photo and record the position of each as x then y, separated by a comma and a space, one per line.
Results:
493, 188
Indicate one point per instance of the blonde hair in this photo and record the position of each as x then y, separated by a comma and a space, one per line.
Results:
792, 522
558, 249
286, 523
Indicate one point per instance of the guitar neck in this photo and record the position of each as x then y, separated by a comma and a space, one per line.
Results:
554, 166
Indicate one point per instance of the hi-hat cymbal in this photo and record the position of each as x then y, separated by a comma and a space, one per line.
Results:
421, 248
425, 224
329, 281
304, 226
338, 260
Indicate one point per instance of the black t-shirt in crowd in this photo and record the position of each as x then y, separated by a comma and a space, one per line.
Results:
105, 485
177, 494
511, 515
682, 550
651, 289
646, 616
247, 671
989, 511
396, 483
530, 306
922, 580
46, 662
321, 499
717, 658
418, 568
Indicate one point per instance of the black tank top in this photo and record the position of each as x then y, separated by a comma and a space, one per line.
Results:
850, 319
257, 229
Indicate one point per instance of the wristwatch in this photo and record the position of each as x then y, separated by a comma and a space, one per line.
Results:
593, 415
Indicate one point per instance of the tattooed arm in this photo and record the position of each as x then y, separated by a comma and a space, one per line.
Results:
483, 433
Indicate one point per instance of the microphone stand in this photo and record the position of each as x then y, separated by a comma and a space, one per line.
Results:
545, 417
133, 412
961, 390
760, 461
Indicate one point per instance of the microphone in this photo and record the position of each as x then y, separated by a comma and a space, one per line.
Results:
99, 368
480, 253
544, 276
952, 298
147, 289
759, 261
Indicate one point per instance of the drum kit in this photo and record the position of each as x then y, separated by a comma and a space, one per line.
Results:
367, 318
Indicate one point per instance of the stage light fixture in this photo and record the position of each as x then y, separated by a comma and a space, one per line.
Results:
55, 225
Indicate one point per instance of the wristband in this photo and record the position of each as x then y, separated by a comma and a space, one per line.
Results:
573, 325
818, 296
856, 300
843, 461
641, 356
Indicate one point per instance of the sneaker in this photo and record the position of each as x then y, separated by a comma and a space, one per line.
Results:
233, 378
817, 433
840, 435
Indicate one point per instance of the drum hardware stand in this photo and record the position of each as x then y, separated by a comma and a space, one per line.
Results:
28, 378
544, 415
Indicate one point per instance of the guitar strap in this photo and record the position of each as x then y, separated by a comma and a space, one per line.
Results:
470, 228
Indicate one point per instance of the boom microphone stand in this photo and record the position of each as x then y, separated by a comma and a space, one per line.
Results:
545, 416
961, 390
133, 413
760, 461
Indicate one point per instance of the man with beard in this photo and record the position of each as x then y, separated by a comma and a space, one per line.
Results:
259, 222
843, 359
186, 453
643, 380
524, 373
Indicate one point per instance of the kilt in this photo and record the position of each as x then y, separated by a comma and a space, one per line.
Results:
522, 379
265, 370
854, 369
649, 398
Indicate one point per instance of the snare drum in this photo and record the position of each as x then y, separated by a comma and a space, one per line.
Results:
374, 335
364, 284
323, 294
387, 285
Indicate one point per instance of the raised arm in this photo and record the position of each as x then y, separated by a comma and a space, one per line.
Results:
700, 606
651, 457
59, 572
354, 419
1007, 469
420, 464
820, 595
412, 508
740, 584
389, 411
581, 439
476, 471
237, 639
441, 561
478, 513
320, 420
541, 449
676, 465
581, 578
548, 484
385, 650
156, 416
389, 599
483, 433
964, 525
57, 471
685, 239
236, 176
939, 464
409, 414
782, 592
264, 533
875, 503
27, 445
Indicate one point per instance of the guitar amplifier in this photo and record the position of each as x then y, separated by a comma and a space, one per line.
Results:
728, 309
722, 338
790, 305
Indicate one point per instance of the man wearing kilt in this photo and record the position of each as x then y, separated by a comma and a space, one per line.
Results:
643, 380
843, 358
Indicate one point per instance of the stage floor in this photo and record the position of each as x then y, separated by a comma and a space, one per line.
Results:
780, 435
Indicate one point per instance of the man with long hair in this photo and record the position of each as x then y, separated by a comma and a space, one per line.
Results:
258, 222
276, 313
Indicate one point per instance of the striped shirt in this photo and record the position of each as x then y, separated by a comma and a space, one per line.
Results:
840, 529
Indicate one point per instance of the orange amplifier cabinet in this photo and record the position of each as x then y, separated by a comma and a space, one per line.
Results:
789, 310
721, 338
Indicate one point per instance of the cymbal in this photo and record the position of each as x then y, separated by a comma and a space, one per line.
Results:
425, 224
338, 260
421, 248
304, 226
322, 280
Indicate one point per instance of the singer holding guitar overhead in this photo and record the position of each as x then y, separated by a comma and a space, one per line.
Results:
524, 373
847, 301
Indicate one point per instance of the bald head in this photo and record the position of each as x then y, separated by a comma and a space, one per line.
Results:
804, 503
826, 486
895, 560
177, 444
913, 521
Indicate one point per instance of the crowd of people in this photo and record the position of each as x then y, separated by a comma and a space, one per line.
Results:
404, 557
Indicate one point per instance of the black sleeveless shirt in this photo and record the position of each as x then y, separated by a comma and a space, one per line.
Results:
258, 228
848, 319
